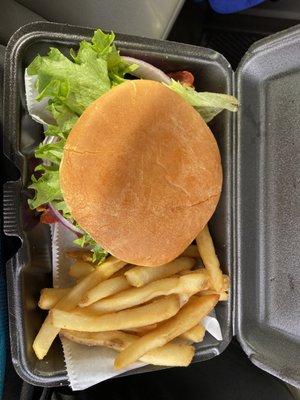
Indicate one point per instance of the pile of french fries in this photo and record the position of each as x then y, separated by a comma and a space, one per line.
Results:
136, 310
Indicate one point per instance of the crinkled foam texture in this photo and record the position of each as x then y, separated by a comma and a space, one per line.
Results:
141, 172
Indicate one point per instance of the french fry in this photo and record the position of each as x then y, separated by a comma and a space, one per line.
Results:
104, 289
122, 271
134, 296
142, 329
111, 266
188, 317
223, 295
140, 276
190, 283
210, 260
179, 355
226, 283
80, 255
80, 269
48, 332
194, 281
226, 280
50, 296
44, 338
191, 251
195, 334
147, 314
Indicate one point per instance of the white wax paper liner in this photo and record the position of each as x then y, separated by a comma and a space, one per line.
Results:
37, 109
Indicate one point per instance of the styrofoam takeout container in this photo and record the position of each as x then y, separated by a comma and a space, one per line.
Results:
255, 227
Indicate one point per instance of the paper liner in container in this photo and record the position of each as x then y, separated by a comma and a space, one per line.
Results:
36, 109
87, 366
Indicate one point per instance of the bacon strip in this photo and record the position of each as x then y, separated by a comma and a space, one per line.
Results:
186, 78
47, 217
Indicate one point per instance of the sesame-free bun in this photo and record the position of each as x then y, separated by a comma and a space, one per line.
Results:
141, 172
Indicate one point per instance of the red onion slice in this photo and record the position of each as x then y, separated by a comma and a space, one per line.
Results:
64, 221
147, 71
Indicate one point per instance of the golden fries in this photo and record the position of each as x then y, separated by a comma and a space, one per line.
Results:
104, 289
142, 329
140, 276
102, 305
210, 260
226, 283
110, 266
134, 296
223, 295
187, 284
194, 281
47, 333
148, 314
122, 271
50, 296
191, 251
44, 338
189, 315
195, 334
80, 269
169, 355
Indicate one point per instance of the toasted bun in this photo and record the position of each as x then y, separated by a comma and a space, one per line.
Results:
141, 172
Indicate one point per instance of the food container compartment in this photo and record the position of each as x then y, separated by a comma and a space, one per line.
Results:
255, 227
30, 269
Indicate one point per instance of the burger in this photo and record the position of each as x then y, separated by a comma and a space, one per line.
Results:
129, 162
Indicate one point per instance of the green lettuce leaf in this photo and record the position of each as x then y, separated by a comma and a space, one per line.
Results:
103, 45
64, 118
51, 152
74, 85
71, 85
46, 188
206, 103
99, 254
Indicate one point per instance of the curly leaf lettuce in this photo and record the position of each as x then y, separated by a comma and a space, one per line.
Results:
99, 254
47, 188
207, 104
71, 85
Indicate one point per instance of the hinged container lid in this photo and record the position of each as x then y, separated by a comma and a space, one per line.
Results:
267, 303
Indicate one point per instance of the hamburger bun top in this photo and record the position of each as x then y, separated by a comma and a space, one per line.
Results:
141, 172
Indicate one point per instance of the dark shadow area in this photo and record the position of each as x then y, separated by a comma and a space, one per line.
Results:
229, 34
